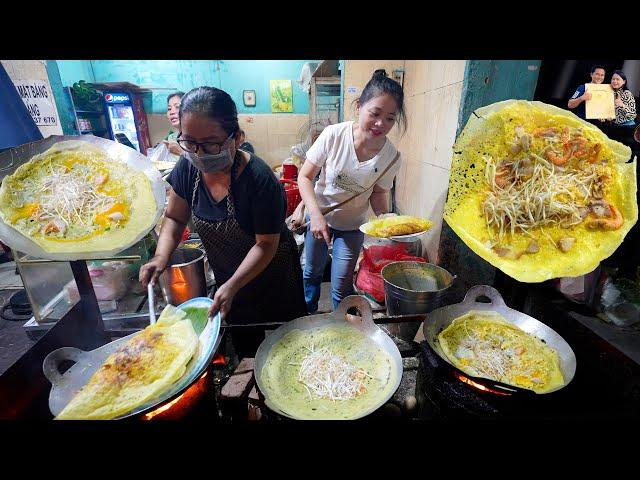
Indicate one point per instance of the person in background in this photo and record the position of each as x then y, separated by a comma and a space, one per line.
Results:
173, 115
621, 127
349, 156
581, 95
624, 101
238, 209
244, 145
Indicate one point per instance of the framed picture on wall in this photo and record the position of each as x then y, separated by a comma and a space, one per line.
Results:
281, 96
249, 98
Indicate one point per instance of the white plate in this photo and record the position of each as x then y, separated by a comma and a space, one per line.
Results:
408, 238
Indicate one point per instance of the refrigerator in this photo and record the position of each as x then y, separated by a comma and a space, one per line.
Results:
121, 119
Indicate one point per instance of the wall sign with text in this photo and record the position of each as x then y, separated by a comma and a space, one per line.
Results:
38, 99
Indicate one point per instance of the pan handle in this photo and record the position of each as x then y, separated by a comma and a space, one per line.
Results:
484, 290
52, 362
364, 307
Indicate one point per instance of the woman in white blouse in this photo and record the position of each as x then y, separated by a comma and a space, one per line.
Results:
350, 157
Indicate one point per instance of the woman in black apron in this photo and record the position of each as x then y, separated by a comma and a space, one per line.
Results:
238, 208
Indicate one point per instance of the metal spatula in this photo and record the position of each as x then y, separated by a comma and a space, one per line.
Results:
152, 307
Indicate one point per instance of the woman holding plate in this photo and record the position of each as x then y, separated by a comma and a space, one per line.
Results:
354, 159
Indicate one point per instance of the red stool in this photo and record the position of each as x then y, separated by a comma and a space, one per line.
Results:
293, 194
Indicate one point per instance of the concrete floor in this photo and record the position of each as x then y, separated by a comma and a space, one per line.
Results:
325, 304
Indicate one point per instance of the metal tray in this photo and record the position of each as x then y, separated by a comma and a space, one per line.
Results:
13, 158
66, 386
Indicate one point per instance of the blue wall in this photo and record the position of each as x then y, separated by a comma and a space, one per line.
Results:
165, 76
239, 75
63, 102
73, 70
490, 81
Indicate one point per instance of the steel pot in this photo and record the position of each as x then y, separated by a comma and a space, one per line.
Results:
413, 287
184, 278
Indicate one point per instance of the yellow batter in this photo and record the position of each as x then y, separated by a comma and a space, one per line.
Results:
77, 200
281, 373
141, 369
485, 344
528, 163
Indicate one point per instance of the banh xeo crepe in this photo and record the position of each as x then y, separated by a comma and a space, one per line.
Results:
538, 192
141, 369
328, 373
74, 198
484, 344
396, 225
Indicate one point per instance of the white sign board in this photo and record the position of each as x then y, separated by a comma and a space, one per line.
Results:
602, 103
37, 96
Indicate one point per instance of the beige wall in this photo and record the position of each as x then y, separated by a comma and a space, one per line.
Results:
158, 127
432, 89
26, 70
271, 135
356, 74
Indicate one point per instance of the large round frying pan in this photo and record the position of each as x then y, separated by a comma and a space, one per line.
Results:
65, 386
441, 318
364, 323
13, 158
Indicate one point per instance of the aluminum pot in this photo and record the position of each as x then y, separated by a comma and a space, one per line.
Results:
413, 287
184, 278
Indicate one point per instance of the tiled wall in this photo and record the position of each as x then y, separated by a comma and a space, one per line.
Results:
432, 91
271, 135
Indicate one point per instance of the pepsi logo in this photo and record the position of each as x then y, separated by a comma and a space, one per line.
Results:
116, 97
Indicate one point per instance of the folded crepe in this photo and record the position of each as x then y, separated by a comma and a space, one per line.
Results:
484, 344
397, 225
140, 370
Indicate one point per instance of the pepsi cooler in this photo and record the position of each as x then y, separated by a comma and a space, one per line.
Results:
119, 111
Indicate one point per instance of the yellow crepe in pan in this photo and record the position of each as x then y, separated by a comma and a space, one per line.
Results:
485, 344
285, 390
77, 199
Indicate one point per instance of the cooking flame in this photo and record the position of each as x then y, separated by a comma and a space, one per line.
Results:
219, 360
182, 404
478, 386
